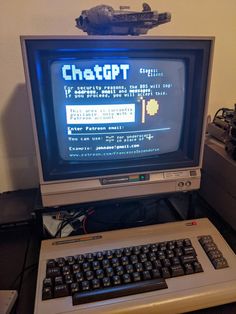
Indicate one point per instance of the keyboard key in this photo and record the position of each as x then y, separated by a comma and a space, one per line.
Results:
47, 293
47, 282
51, 263
197, 267
85, 285
119, 291
61, 291
96, 283
220, 263
61, 261
116, 280
53, 272
188, 268
68, 279
177, 270
146, 275
188, 258
165, 272
74, 287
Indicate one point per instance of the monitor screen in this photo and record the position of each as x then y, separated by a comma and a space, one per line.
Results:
108, 109
116, 113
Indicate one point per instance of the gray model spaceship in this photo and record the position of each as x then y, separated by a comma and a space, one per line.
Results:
104, 20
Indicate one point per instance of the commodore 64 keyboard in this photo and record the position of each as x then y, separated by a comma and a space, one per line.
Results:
168, 268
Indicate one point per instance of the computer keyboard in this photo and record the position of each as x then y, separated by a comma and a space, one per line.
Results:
168, 268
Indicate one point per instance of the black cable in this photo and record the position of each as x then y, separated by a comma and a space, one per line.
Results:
23, 267
69, 220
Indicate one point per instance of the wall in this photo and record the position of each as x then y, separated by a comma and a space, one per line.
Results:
31, 17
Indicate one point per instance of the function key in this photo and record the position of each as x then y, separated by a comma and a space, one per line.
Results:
205, 239
220, 263
211, 246
215, 254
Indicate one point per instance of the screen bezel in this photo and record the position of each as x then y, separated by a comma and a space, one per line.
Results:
194, 52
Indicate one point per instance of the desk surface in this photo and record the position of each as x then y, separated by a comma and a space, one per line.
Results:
20, 246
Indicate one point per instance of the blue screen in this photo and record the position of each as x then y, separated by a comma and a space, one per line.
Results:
117, 108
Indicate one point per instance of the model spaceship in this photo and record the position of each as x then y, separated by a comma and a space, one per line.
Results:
104, 20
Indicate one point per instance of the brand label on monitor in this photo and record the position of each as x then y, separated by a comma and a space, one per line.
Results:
125, 179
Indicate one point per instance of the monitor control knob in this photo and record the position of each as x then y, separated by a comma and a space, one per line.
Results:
188, 183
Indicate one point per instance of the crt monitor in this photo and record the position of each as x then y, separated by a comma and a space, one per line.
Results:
117, 117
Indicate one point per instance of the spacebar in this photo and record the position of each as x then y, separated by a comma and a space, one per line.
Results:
119, 291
